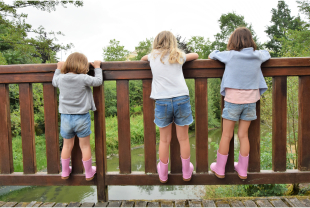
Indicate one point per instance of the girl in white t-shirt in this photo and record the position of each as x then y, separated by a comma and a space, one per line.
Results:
172, 104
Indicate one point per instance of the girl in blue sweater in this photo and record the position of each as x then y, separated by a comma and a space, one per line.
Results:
242, 85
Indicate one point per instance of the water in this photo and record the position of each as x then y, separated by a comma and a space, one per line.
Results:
89, 193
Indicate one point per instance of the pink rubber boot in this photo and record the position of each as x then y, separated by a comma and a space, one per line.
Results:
218, 168
90, 170
242, 166
66, 169
162, 170
187, 169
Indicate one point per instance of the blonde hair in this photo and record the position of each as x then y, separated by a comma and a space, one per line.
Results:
165, 43
76, 63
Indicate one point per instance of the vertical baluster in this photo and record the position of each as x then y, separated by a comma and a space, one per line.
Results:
123, 117
279, 119
6, 154
176, 163
201, 116
230, 160
100, 141
304, 124
27, 128
149, 129
51, 128
254, 138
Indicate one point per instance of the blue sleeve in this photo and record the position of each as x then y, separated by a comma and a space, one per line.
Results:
220, 56
264, 55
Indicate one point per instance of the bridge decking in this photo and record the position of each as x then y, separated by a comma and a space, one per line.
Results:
227, 202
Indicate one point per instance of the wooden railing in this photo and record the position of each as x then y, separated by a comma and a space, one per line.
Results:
122, 72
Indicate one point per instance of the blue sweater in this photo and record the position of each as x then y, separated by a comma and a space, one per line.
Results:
242, 69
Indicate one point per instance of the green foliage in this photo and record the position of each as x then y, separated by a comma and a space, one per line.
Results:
199, 45
304, 7
265, 190
143, 48
115, 52
110, 98
282, 21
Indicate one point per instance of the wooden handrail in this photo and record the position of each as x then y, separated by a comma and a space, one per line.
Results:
200, 70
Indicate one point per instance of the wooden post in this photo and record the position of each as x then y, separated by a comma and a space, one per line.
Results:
254, 139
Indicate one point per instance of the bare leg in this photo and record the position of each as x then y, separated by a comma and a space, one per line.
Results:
182, 134
85, 147
67, 148
243, 137
228, 131
164, 143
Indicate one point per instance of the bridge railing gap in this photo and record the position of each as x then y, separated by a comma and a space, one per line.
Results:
122, 72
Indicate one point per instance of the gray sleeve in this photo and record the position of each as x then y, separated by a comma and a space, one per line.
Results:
55, 81
220, 56
264, 55
94, 81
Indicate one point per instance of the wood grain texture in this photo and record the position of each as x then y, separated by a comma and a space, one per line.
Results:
100, 142
51, 128
175, 155
254, 138
6, 154
149, 129
27, 128
26, 78
201, 130
76, 158
123, 117
279, 120
304, 123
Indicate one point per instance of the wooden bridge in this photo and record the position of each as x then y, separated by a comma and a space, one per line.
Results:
122, 72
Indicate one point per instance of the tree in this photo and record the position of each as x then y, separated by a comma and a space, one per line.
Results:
282, 21
228, 23
199, 45
304, 7
144, 48
115, 52
183, 45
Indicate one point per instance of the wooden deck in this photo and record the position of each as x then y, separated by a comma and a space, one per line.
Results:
226, 202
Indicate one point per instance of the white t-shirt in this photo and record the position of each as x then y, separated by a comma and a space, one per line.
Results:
168, 79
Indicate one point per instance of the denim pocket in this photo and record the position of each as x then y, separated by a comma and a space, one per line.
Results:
184, 108
161, 110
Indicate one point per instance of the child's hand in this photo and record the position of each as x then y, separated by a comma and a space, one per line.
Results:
60, 64
96, 64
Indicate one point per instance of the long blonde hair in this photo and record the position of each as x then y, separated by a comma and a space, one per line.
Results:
165, 43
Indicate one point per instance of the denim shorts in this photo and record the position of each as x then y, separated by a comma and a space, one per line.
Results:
177, 110
75, 124
236, 112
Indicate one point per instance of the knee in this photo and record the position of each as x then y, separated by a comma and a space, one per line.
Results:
227, 136
243, 136
183, 138
165, 140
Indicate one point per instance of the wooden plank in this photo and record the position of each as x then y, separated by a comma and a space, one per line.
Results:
201, 130
101, 204
278, 203
303, 123
123, 117
279, 120
88, 204
100, 143
166, 204
263, 177
263, 203
10, 204
194, 203
43, 179
149, 129
153, 204
254, 139
230, 160
27, 68
294, 202
26, 78
51, 128
37, 204
22, 204
49, 204
31, 204
61, 205
76, 158
114, 204
74, 204
208, 203
306, 202
128, 204
236, 203
6, 154
222, 203
249, 203
2, 203
27, 128
180, 203
141, 204
175, 155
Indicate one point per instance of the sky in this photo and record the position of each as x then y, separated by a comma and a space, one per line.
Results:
91, 27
